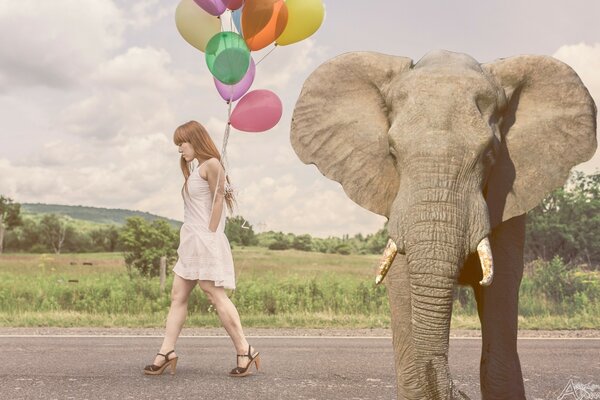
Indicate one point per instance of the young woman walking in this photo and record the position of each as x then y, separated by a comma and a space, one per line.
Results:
204, 252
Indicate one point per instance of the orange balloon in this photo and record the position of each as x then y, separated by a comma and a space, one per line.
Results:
263, 21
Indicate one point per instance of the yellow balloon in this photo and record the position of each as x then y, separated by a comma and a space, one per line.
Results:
196, 25
304, 18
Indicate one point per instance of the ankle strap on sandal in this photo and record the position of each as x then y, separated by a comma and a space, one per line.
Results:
249, 355
166, 356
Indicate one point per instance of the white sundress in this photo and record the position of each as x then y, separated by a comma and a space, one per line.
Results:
203, 255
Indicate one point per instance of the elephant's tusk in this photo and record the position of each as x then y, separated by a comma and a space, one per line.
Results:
386, 261
487, 261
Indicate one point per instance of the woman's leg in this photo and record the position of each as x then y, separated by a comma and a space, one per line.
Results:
229, 317
180, 294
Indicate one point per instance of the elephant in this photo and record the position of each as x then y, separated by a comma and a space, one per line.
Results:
454, 153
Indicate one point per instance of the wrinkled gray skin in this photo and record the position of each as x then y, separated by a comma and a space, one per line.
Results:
451, 151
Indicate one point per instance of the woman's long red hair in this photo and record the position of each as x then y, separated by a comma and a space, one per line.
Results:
204, 148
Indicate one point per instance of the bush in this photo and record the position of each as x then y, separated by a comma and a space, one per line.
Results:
303, 243
240, 231
279, 242
145, 243
567, 223
558, 288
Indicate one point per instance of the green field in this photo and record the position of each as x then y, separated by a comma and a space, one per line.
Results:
275, 289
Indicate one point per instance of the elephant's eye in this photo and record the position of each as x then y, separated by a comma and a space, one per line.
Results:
490, 153
490, 157
484, 102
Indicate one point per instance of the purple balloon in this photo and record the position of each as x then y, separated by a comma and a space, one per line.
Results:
257, 111
213, 7
234, 92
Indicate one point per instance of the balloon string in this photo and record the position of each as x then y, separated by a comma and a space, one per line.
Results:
265, 56
226, 138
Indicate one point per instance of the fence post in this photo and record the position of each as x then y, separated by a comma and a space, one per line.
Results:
163, 272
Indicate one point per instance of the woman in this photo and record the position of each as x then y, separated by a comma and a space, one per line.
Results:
204, 252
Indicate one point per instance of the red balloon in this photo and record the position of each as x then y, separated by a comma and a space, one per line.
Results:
257, 111
233, 4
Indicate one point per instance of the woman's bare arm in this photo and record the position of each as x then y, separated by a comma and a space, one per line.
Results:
216, 183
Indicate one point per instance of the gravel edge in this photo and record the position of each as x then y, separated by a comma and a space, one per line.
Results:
250, 332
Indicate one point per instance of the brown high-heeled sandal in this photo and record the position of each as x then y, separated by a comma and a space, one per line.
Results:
245, 371
158, 369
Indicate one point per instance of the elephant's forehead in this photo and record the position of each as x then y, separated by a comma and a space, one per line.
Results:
448, 75
465, 83
444, 58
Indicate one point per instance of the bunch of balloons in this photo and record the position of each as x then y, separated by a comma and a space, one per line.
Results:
259, 23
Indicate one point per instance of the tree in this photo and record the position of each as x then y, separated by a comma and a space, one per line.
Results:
280, 242
26, 237
302, 242
376, 242
105, 238
320, 245
343, 248
145, 243
239, 231
53, 231
10, 217
567, 223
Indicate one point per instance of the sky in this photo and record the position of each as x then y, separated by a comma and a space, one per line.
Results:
92, 90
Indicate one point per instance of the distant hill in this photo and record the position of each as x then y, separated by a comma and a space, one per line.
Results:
93, 214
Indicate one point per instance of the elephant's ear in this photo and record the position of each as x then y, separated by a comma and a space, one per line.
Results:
341, 124
547, 127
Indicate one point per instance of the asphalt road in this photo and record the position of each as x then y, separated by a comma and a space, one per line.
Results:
47, 367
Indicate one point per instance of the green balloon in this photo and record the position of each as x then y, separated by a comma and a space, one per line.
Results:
227, 57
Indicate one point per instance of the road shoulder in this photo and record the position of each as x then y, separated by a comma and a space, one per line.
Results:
266, 332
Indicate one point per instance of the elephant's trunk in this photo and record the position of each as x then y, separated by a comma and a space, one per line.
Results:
434, 250
439, 223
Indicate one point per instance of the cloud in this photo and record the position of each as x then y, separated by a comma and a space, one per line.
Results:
105, 138
59, 153
286, 63
585, 60
145, 14
139, 174
131, 95
287, 203
55, 43
139, 69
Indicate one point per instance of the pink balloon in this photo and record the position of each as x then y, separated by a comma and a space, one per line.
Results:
233, 4
213, 7
257, 111
234, 92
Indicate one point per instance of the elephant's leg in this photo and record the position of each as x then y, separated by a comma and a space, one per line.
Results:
398, 285
497, 305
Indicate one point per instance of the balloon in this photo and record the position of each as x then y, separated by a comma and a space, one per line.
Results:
233, 4
234, 92
257, 111
195, 25
227, 57
237, 19
213, 7
263, 21
304, 19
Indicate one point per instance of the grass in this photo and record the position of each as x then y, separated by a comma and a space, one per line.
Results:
286, 289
